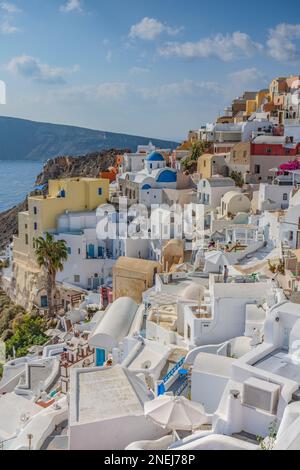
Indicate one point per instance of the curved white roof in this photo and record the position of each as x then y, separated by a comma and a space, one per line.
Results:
193, 292
115, 324
233, 194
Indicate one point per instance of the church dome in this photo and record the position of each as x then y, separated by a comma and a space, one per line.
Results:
155, 157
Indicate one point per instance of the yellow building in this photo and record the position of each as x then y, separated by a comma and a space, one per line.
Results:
210, 164
70, 194
250, 107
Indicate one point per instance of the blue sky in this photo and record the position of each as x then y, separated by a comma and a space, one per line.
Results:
147, 67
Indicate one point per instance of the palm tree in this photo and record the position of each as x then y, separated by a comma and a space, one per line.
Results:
50, 255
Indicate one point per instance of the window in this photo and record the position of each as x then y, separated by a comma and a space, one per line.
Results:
69, 250
79, 251
189, 334
285, 197
100, 191
257, 169
35, 226
268, 150
204, 163
44, 301
76, 278
26, 239
35, 210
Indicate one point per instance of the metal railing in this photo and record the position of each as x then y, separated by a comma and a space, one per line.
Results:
2, 443
173, 370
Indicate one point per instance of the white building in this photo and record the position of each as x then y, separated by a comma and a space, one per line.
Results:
210, 191
238, 132
289, 228
274, 196
90, 259
223, 314
107, 409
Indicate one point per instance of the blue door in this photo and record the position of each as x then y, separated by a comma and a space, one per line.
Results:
100, 357
100, 252
91, 251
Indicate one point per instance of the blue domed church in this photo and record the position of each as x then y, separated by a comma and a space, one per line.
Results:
146, 186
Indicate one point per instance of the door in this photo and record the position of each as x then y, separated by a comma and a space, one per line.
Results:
91, 251
298, 240
100, 357
286, 338
100, 252
44, 301
96, 283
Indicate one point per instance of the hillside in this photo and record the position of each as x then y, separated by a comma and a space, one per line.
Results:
27, 140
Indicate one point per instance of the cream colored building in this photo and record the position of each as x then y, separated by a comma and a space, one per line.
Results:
132, 276
234, 202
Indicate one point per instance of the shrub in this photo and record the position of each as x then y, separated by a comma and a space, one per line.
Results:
30, 332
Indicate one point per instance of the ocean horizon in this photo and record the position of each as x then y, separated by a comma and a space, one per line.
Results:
17, 179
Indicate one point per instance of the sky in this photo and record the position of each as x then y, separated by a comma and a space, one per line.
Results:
156, 68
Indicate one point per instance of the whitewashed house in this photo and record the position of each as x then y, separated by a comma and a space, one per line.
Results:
210, 191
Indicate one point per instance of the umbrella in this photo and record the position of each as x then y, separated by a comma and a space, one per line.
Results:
218, 258
175, 413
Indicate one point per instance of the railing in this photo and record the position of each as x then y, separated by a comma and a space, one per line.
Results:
2, 443
182, 387
174, 370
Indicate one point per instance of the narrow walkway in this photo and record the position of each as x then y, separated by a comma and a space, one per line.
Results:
59, 440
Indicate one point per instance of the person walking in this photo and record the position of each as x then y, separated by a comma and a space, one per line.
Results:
226, 272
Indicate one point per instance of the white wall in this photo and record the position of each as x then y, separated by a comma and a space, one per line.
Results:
207, 389
275, 193
113, 434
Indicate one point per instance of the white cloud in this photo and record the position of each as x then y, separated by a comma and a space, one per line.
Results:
91, 93
32, 69
150, 28
247, 76
138, 70
71, 5
281, 42
184, 88
9, 7
7, 28
116, 91
111, 90
225, 47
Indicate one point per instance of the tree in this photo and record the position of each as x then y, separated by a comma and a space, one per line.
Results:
50, 255
237, 178
190, 162
30, 332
